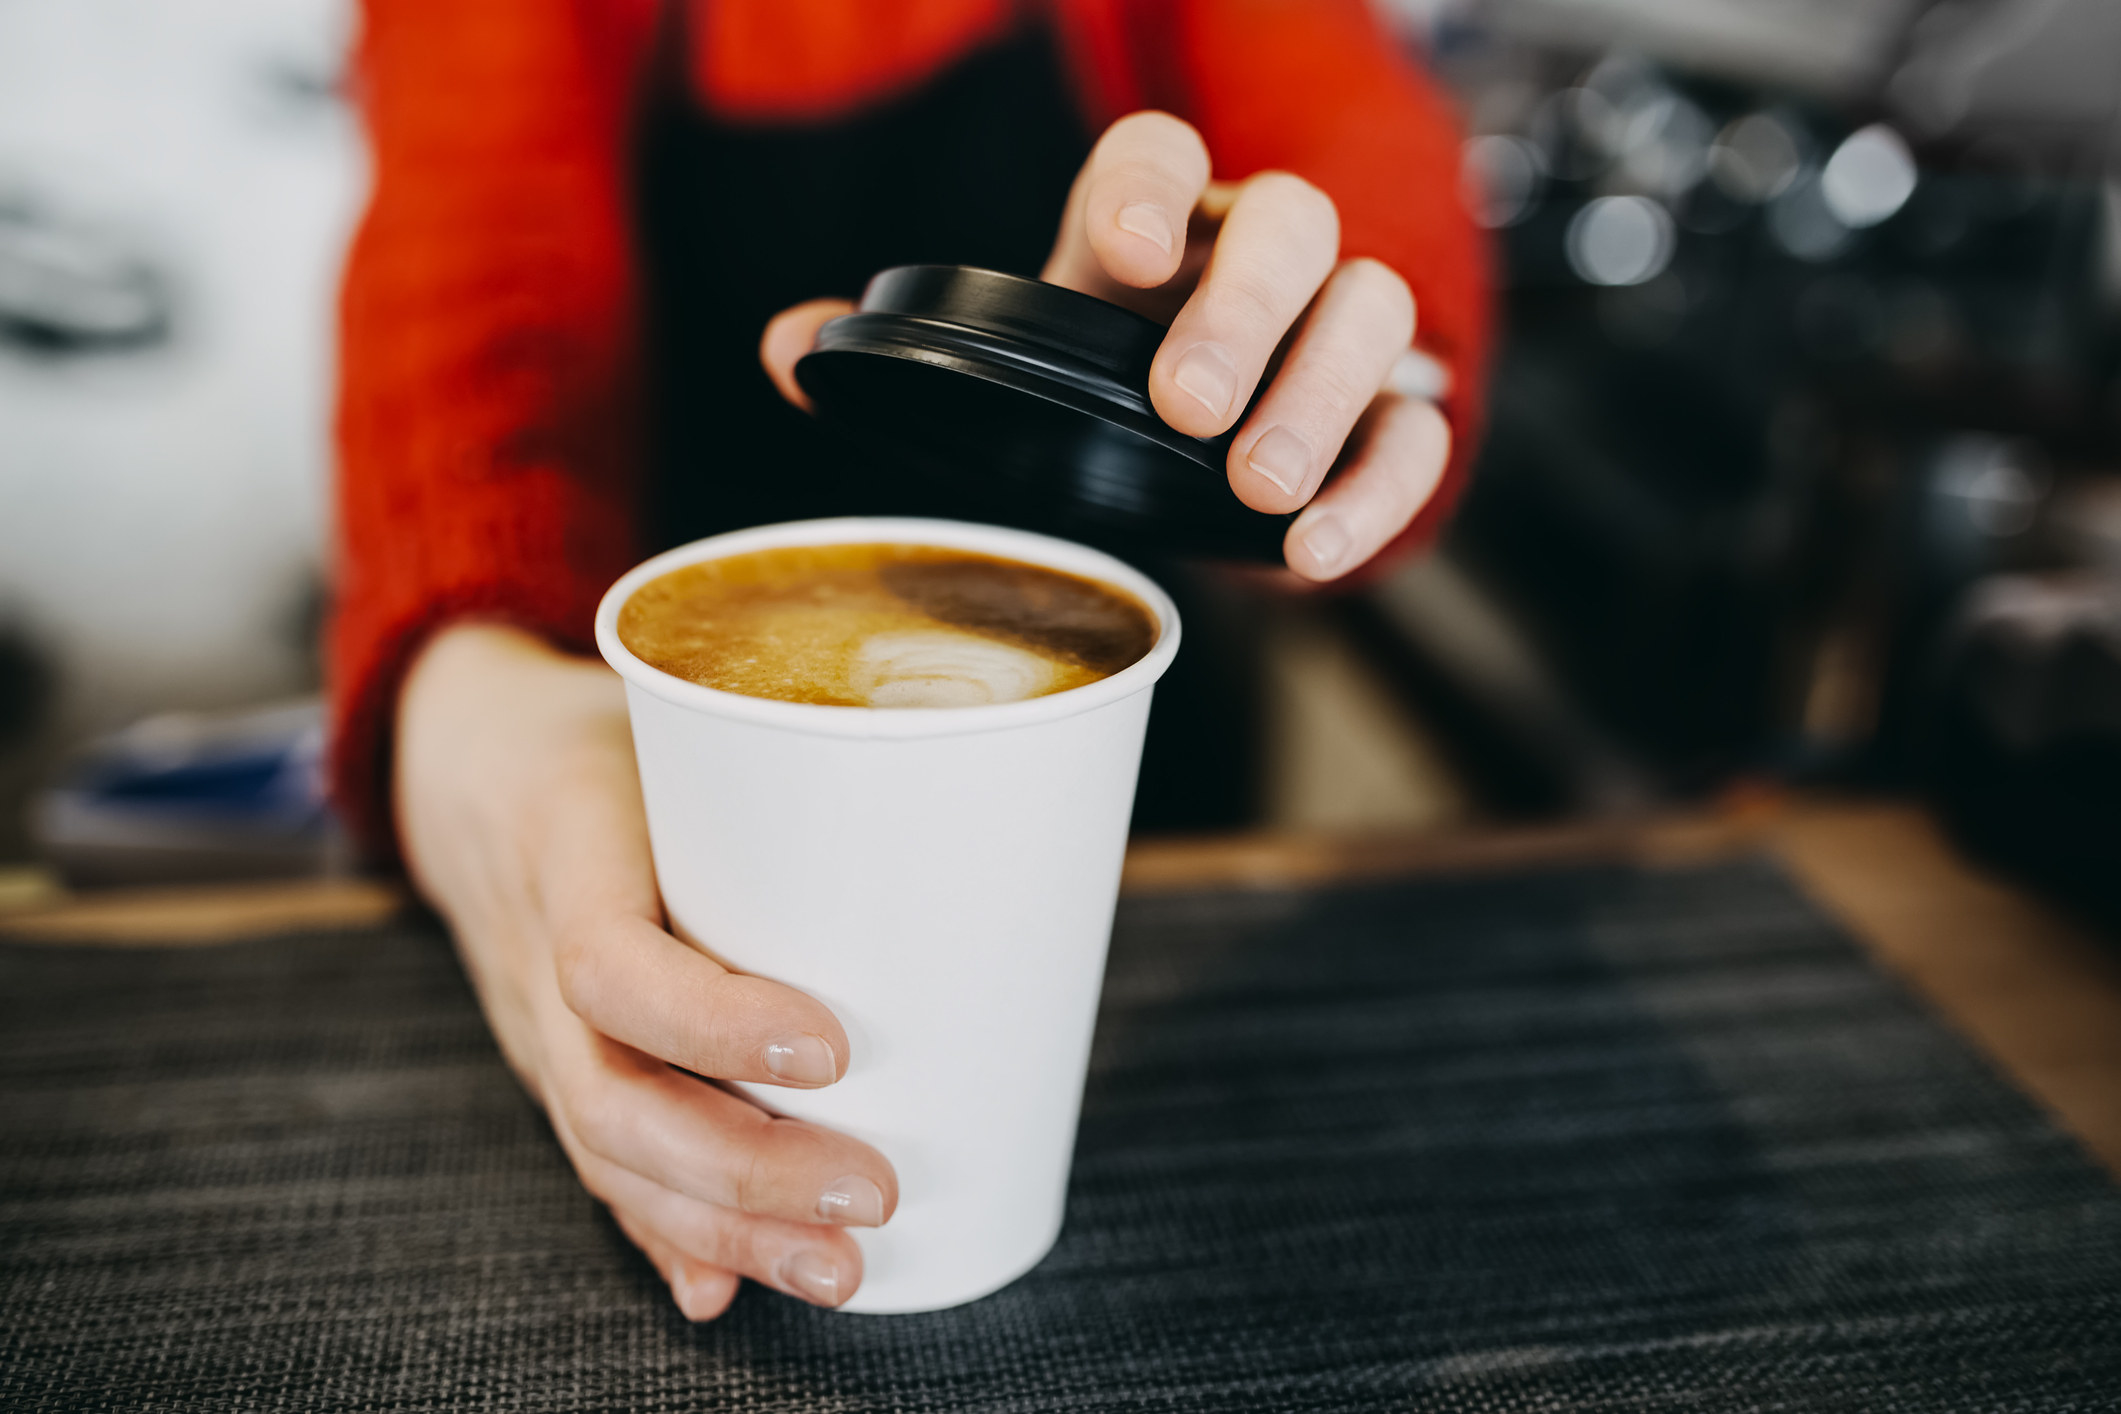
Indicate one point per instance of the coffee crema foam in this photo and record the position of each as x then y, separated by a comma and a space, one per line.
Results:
881, 625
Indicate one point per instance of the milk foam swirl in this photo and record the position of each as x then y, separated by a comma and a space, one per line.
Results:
942, 668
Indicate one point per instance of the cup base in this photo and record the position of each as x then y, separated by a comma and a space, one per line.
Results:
861, 1304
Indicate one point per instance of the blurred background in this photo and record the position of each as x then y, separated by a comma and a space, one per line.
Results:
177, 184
1803, 466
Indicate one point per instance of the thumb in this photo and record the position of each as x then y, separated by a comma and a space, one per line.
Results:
791, 334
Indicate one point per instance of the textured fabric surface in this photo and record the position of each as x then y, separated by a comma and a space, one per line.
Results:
1592, 1139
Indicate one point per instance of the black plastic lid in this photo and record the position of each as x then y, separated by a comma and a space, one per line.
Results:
1031, 402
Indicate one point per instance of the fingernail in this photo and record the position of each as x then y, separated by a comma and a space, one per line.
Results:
802, 1060
1327, 541
1207, 373
1283, 458
852, 1201
812, 1275
1147, 220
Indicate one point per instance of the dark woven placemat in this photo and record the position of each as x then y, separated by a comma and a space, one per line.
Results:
1586, 1139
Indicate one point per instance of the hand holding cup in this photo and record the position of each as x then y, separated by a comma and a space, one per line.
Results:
520, 814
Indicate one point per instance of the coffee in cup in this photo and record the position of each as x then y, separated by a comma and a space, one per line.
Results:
884, 626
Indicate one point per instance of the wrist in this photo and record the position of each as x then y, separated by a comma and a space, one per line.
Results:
491, 721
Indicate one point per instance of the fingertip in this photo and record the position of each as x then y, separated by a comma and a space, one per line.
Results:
782, 343
1200, 390
1137, 239
1319, 546
1273, 471
820, 1276
800, 1042
855, 1200
803, 1061
1403, 447
700, 1293
791, 334
701, 1296
1152, 239
1145, 175
1435, 432
882, 1179
1245, 487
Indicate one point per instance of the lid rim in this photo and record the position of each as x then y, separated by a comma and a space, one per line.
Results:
1051, 384
969, 294
869, 336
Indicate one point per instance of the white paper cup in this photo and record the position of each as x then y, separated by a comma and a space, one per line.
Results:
942, 878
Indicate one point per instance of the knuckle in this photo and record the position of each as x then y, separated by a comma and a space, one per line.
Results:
728, 1018
595, 1176
1335, 385
773, 1151
587, 1107
1375, 277
1384, 289
1251, 296
1430, 428
1154, 126
746, 1246
1305, 206
696, 1229
753, 1187
709, 1046
576, 964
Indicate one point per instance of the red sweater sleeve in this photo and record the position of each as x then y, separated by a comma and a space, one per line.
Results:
489, 419
1319, 88
487, 422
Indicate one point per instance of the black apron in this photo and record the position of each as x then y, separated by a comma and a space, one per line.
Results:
738, 221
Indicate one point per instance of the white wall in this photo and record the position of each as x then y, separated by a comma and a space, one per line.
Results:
162, 508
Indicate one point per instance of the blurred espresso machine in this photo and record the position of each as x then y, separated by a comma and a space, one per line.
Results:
1803, 457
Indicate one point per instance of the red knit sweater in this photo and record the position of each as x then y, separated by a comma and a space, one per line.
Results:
489, 415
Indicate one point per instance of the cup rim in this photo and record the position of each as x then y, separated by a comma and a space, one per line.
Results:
894, 723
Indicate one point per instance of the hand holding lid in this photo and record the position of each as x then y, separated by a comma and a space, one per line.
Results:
1069, 405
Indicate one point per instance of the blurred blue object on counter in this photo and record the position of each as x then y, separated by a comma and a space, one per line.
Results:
187, 797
